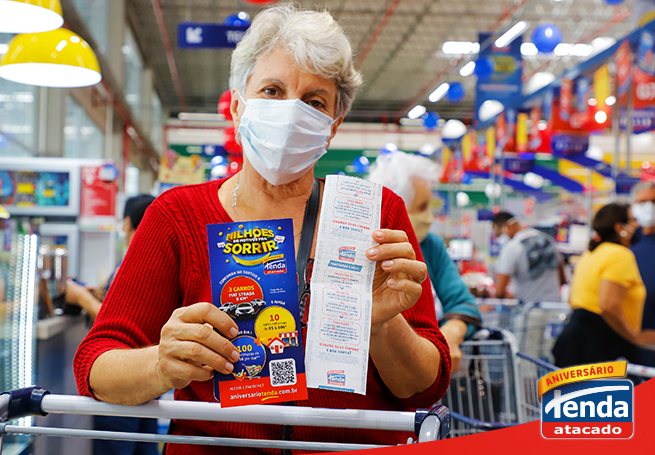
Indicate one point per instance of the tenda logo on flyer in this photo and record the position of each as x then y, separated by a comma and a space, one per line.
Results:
580, 402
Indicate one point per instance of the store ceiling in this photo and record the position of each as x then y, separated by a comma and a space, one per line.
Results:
400, 68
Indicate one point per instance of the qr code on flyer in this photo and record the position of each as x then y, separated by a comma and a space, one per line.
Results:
283, 372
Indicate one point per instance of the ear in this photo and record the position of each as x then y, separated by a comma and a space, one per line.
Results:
235, 108
335, 127
618, 227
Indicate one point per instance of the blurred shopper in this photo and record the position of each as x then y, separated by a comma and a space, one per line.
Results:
644, 212
411, 177
91, 300
529, 258
607, 296
293, 80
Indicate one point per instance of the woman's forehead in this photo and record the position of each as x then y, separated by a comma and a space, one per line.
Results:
280, 68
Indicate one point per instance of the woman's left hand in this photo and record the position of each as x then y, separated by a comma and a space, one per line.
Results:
398, 276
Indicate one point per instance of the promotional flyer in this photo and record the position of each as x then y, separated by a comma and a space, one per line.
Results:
253, 277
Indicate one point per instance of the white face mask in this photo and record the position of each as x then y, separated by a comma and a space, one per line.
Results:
644, 213
282, 139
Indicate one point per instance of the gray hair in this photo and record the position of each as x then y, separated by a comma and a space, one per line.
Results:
316, 40
397, 170
642, 186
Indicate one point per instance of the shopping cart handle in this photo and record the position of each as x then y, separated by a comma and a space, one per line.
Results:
22, 402
433, 424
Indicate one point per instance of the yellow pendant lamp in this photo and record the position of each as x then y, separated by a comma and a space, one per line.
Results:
30, 16
58, 58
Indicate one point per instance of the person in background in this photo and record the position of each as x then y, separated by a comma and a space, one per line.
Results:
607, 296
412, 177
529, 258
643, 210
90, 298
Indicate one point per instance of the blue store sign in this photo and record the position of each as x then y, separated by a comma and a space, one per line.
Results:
569, 144
192, 35
506, 82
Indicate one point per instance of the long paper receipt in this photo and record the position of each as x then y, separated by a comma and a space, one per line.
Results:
339, 329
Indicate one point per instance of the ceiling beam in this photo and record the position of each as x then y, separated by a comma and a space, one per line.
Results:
170, 57
377, 32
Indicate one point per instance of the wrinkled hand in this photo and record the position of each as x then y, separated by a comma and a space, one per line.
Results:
398, 276
75, 294
190, 349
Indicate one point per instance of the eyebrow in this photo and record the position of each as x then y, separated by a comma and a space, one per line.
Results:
318, 91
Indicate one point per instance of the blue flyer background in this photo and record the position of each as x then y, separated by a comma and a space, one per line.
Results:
253, 278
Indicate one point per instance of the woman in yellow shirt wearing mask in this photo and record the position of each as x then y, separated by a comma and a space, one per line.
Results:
607, 296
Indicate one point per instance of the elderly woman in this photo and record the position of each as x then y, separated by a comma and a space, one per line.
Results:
412, 177
293, 81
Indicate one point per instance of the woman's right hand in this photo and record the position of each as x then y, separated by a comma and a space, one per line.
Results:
190, 349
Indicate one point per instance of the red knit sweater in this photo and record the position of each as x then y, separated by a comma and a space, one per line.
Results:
167, 266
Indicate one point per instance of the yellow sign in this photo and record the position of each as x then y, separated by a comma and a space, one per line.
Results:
491, 141
602, 87
466, 147
445, 157
522, 132
581, 373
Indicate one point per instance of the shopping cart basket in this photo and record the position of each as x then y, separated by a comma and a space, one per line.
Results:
496, 385
535, 325
485, 388
428, 425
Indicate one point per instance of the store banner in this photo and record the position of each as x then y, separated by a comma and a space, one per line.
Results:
565, 97
643, 120
643, 90
491, 141
194, 35
645, 58
582, 86
506, 82
623, 59
534, 137
522, 132
467, 149
184, 165
570, 144
98, 196
602, 87
517, 165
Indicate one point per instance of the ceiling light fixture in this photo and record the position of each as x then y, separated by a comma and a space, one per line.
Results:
467, 69
511, 34
439, 93
460, 47
58, 58
416, 111
30, 16
200, 117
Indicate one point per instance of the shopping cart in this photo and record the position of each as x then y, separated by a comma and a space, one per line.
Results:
535, 325
484, 393
496, 385
428, 425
